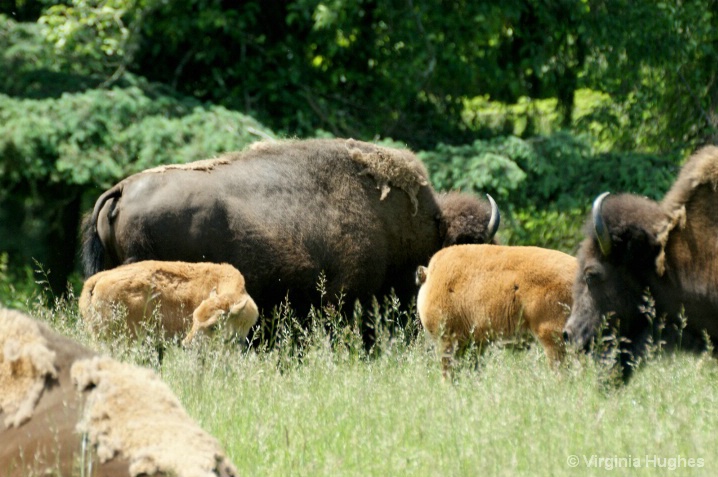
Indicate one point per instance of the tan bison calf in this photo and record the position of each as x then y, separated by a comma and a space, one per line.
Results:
184, 295
484, 292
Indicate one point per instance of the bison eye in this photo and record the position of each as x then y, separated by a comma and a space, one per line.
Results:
591, 277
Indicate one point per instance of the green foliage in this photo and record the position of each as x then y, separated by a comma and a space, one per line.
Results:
529, 117
413, 69
484, 166
656, 61
560, 169
17, 286
545, 185
550, 228
356, 68
37, 71
100, 136
90, 34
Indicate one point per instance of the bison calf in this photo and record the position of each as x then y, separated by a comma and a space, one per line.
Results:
483, 292
183, 294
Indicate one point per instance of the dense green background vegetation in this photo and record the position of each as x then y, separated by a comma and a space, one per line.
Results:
542, 104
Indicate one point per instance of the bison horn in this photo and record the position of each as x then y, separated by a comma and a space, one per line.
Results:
495, 219
599, 226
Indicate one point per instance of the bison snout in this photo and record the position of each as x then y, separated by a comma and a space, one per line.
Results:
578, 336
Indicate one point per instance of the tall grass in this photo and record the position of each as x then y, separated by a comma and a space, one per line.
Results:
315, 403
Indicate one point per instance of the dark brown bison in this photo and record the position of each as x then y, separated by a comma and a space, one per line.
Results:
651, 269
286, 212
64, 410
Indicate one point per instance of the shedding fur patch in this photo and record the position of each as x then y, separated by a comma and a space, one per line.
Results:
26, 363
205, 165
268, 145
130, 412
397, 167
700, 169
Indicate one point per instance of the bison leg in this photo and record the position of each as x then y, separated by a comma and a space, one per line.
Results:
550, 337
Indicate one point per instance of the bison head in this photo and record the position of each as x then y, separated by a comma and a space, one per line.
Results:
617, 264
466, 219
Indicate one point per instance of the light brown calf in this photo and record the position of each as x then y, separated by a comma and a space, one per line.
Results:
485, 292
187, 296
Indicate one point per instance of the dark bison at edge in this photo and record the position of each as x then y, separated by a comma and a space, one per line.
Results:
635, 248
285, 212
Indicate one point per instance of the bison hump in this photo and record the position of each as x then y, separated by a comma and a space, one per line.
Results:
390, 167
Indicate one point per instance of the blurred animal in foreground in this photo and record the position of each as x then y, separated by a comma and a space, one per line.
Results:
64, 410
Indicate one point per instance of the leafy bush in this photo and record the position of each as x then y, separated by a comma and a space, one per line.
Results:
545, 185
550, 228
17, 287
99, 136
56, 153
484, 166
560, 169
530, 116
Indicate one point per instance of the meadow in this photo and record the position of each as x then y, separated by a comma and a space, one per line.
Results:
312, 402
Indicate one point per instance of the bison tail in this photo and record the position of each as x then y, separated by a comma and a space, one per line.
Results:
93, 251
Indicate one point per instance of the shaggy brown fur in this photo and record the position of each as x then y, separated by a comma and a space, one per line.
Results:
119, 407
693, 211
390, 167
205, 165
462, 219
483, 292
26, 364
130, 412
284, 213
185, 295
46, 437
669, 249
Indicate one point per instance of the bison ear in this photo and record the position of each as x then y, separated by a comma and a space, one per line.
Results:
239, 306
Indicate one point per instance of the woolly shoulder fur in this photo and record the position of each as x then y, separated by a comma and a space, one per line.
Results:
25, 364
397, 167
701, 169
130, 412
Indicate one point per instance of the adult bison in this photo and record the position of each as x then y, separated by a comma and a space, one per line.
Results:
636, 248
64, 410
286, 212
